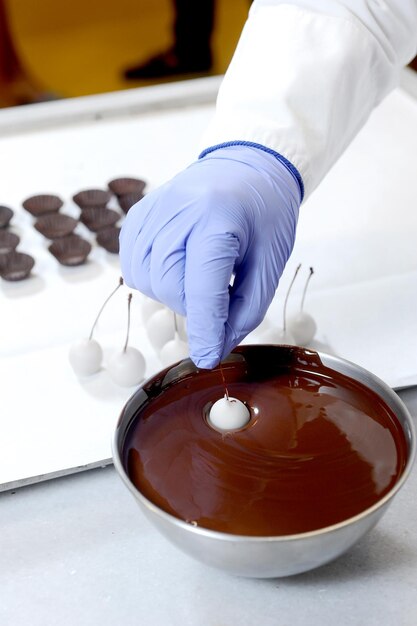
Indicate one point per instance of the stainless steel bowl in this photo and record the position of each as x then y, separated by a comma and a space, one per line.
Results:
264, 557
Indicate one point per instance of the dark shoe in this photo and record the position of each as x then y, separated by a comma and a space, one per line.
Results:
164, 65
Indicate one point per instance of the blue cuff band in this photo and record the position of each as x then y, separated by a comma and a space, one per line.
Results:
251, 144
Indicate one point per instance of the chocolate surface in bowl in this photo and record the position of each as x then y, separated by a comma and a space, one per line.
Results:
320, 448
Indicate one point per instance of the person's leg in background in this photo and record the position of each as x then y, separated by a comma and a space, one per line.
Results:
193, 30
191, 51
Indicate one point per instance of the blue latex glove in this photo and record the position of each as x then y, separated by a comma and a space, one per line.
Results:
232, 212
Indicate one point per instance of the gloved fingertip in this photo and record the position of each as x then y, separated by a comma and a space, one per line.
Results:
231, 341
206, 363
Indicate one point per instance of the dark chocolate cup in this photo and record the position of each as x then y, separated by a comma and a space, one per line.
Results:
122, 186
42, 204
56, 225
108, 238
96, 219
129, 199
8, 241
92, 198
6, 215
71, 250
16, 266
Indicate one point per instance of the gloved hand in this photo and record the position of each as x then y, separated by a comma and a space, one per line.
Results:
231, 213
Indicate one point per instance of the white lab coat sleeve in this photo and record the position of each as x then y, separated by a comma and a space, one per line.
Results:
306, 75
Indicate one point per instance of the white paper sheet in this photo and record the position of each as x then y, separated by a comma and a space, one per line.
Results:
358, 231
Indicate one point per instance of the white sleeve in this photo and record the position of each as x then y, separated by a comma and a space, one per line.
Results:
306, 74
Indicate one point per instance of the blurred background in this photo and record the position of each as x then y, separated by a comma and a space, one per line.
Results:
52, 50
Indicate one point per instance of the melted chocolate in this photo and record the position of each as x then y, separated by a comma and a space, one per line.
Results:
320, 447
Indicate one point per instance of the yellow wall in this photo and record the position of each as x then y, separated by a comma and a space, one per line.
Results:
81, 47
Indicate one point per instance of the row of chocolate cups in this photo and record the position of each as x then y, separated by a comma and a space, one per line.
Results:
69, 248
14, 265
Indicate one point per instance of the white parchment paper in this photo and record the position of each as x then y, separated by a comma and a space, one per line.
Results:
358, 231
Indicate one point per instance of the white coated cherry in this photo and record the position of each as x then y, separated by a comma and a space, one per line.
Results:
174, 350
182, 327
127, 367
149, 307
303, 328
160, 328
85, 357
229, 414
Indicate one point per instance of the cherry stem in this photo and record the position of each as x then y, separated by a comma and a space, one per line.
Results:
129, 300
226, 392
286, 298
102, 307
305, 288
